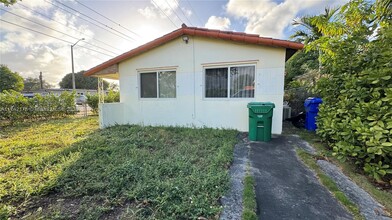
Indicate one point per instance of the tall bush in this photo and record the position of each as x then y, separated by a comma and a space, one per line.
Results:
15, 107
356, 114
93, 100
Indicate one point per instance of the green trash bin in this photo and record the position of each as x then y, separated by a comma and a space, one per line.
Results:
260, 120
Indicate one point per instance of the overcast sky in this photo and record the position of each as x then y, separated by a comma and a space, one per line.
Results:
112, 27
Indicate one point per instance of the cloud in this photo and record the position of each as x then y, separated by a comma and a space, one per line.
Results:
220, 23
29, 57
269, 18
167, 6
28, 52
187, 12
148, 12
7, 47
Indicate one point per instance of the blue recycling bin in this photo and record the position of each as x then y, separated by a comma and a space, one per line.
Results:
311, 109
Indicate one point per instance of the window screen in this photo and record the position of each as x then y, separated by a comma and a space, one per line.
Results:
164, 88
242, 82
167, 84
216, 83
148, 85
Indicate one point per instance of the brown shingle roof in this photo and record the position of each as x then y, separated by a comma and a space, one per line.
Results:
201, 32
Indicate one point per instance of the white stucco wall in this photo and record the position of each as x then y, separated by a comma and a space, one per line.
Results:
110, 114
190, 108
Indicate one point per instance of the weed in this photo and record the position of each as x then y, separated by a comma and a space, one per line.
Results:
249, 198
70, 169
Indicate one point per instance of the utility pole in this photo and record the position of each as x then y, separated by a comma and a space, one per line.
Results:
73, 72
40, 80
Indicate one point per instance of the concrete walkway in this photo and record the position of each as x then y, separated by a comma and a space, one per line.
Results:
286, 188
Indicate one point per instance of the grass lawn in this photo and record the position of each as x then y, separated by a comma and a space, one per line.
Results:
69, 169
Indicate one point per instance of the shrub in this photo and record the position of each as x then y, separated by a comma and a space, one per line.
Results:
356, 114
296, 98
93, 100
300, 89
15, 107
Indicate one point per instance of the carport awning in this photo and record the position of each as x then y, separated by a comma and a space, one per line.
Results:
110, 72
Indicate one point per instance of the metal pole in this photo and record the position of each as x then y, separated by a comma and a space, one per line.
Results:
73, 73
41, 81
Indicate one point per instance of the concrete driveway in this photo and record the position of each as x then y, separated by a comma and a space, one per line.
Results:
286, 188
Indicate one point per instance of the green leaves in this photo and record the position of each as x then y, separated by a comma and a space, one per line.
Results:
93, 100
356, 115
10, 80
15, 107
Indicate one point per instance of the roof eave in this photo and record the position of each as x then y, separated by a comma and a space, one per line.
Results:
202, 32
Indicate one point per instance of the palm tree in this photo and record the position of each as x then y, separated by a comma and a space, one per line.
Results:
384, 10
312, 28
311, 31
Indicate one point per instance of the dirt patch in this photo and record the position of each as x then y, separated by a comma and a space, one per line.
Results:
127, 210
57, 205
49, 206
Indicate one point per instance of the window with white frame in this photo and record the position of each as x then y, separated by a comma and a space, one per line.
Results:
160, 84
230, 82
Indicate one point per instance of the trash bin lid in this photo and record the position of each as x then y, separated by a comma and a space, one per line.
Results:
270, 104
261, 107
313, 100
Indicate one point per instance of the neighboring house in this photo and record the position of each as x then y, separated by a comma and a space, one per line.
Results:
44, 92
197, 77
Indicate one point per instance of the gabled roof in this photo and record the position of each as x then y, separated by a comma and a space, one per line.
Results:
291, 46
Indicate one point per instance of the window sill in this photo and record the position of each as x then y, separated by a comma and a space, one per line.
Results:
157, 99
228, 99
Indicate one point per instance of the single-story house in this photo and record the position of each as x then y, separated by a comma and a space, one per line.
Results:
197, 77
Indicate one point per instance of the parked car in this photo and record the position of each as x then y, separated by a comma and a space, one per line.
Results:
81, 99
28, 95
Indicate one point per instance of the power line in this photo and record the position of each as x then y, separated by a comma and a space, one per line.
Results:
108, 18
87, 20
174, 12
94, 19
164, 13
194, 11
35, 31
183, 13
70, 27
56, 30
39, 32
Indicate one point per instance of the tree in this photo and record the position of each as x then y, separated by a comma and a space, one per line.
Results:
10, 80
311, 30
299, 64
33, 84
81, 82
356, 115
8, 2
304, 68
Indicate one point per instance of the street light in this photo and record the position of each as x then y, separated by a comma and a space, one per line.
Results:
73, 72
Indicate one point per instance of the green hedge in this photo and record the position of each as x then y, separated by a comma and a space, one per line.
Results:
356, 114
15, 107
93, 100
